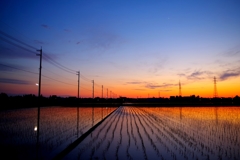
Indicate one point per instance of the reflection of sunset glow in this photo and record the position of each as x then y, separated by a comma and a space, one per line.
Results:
227, 114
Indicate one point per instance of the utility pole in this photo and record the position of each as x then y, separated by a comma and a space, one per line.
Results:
78, 73
102, 91
180, 89
107, 92
93, 89
40, 72
215, 88
39, 98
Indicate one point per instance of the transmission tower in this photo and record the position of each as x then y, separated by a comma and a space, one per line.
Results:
215, 95
180, 89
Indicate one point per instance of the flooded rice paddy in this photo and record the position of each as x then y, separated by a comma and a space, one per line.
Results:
59, 127
175, 133
164, 133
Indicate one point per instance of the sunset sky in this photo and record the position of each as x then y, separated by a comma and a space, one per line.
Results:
133, 48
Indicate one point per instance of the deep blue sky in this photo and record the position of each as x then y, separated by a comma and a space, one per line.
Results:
139, 46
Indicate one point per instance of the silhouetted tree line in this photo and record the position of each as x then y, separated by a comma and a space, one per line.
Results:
30, 100
186, 101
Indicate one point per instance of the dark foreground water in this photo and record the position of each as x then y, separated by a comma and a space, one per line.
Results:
58, 127
128, 133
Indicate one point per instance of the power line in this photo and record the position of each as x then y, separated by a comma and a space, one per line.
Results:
58, 65
46, 57
10, 37
12, 40
58, 80
19, 69
84, 78
56, 74
14, 44
36, 73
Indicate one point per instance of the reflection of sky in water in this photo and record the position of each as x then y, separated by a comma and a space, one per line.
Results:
130, 132
165, 133
58, 128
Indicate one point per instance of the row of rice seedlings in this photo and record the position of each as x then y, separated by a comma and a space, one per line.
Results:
109, 142
213, 130
141, 118
129, 157
168, 144
131, 124
182, 135
168, 136
141, 139
93, 140
56, 127
120, 137
203, 146
98, 141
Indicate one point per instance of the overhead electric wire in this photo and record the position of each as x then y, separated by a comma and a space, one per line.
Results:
18, 69
85, 88
46, 57
84, 78
36, 73
58, 65
9, 39
7, 35
98, 85
19, 46
56, 73
58, 80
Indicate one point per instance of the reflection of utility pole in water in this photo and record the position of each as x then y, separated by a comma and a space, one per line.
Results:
92, 107
92, 116
216, 114
180, 108
39, 98
102, 98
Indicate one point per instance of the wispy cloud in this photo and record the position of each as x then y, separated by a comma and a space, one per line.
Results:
229, 74
226, 76
138, 89
98, 39
168, 85
135, 82
38, 42
197, 75
45, 26
14, 81
166, 90
233, 51
67, 30
152, 85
